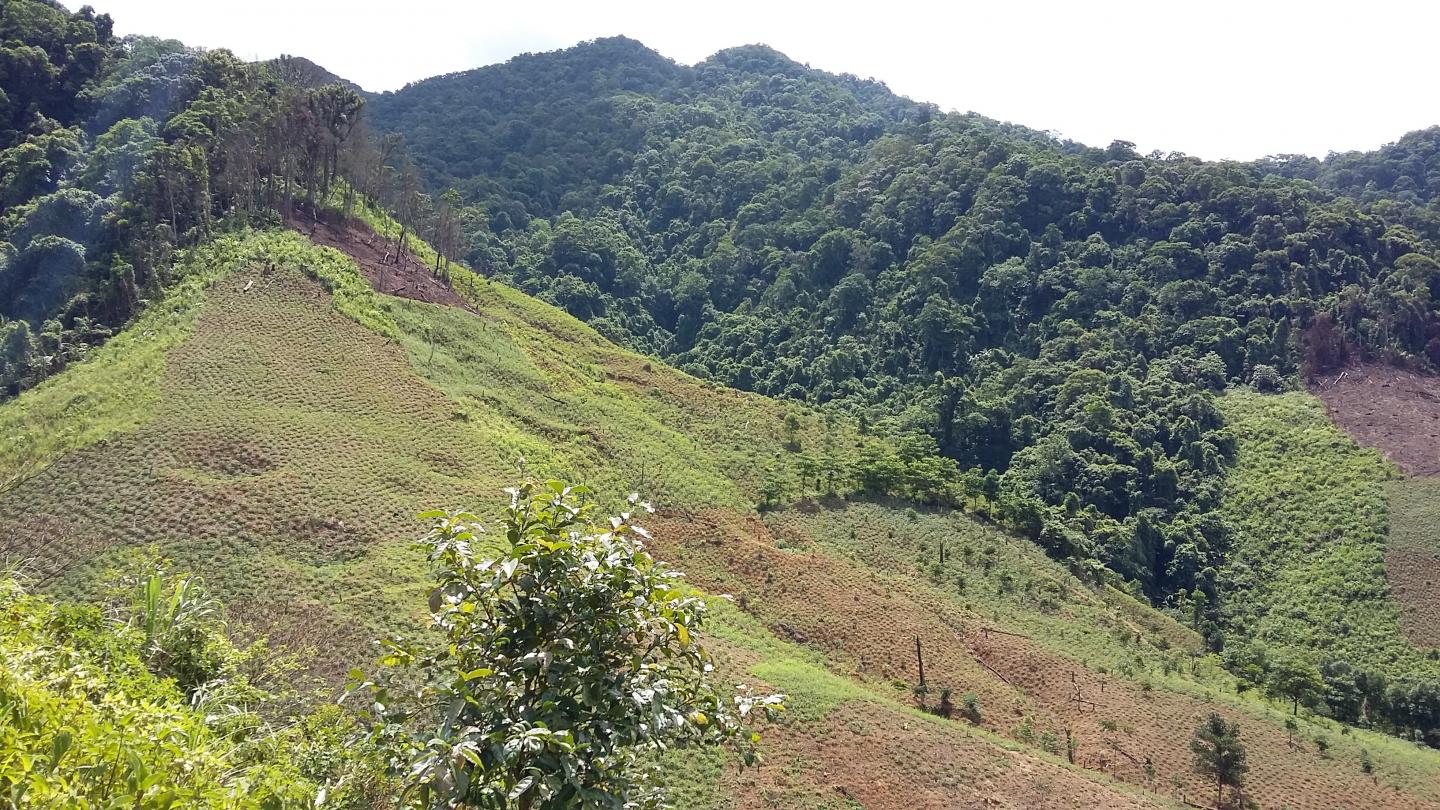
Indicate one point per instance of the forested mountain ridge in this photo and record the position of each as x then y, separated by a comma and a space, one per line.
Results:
120, 153
1058, 314
544, 133
274, 413
1408, 170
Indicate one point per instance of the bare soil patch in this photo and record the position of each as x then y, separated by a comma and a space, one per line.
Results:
864, 622
1412, 556
870, 754
880, 758
401, 276
1395, 411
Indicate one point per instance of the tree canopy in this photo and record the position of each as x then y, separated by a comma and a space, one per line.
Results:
1219, 754
1059, 314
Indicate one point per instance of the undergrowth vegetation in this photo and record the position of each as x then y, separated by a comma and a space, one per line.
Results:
90, 718
1307, 573
430, 406
1308, 610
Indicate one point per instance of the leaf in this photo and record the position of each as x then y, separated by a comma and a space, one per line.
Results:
520, 788
684, 634
507, 568
476, 674
58, 747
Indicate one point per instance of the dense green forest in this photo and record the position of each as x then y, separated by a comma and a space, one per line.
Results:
1039, 324
1028, 330
117, 153
1056, 315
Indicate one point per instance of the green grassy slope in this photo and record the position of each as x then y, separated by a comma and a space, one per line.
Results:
289, 435
292, 433
1308, 570
108, 395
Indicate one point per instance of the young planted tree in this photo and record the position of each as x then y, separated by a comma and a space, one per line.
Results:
1219, 754
773, 487
567, 662
1296, 681
809, 469
792, 432
946, 707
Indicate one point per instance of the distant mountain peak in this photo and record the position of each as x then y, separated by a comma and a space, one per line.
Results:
753, 54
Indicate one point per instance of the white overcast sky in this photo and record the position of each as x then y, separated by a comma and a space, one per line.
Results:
1217, 79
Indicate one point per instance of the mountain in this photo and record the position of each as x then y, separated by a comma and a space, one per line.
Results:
544, 133
1059, 315
286, 423
1027, 485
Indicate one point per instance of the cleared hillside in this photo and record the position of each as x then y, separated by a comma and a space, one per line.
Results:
295, 422
1398, 413
1065, 316
289, 447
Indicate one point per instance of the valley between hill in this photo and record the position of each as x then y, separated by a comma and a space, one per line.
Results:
1036, 474
297, 421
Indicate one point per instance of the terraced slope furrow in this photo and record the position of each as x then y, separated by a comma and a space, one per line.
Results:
1053, 663
299, 424
287, 448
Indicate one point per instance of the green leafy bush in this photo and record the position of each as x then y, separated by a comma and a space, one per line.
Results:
566, 661
85, 723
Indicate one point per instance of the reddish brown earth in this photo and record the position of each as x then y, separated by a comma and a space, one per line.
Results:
862, 620
1398, 413
1395, 411
405, 277
873, 753
880, 757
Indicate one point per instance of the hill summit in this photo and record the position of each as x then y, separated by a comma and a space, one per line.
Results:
1018, 466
